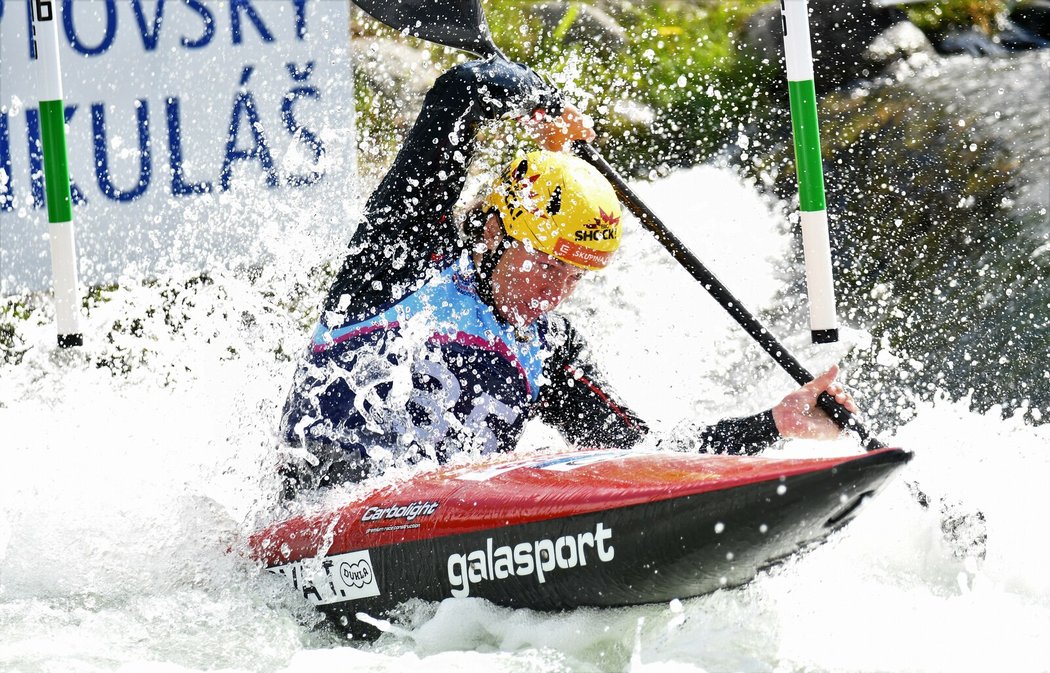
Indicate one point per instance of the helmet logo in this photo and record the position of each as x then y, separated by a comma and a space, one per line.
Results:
521, 171
604, 220
522, 196
604, 228
554, 207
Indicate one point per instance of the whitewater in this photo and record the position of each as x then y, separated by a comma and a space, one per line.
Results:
132, 470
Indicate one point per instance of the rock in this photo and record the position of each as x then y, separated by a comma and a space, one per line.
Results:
841, 32
902, 40
580, 23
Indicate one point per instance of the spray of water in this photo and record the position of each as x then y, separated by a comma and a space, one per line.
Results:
134, 469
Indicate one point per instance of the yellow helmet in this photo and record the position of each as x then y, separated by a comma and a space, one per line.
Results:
561, 205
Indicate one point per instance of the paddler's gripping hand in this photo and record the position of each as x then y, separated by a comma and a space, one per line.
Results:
555, 133
798, 416
505, 88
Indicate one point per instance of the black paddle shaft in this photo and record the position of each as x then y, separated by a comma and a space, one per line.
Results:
721, 293
454, 23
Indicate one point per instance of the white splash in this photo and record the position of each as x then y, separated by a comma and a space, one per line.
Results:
120, 495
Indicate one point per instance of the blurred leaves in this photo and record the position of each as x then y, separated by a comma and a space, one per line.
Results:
941, 16
670, 90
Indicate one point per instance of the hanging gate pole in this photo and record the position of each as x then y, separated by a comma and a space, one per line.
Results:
809, 171
44, 21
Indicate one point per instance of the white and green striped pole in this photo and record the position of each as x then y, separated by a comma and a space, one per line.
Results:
816, 243
56, 171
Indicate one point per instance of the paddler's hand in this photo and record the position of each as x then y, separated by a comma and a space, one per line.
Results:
554, 133
798, 416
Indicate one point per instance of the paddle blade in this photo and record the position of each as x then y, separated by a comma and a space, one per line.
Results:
454, 23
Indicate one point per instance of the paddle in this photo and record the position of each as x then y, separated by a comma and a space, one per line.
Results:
461, 24
452, 23
723, 296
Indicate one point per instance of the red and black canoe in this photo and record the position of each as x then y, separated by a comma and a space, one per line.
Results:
590, 528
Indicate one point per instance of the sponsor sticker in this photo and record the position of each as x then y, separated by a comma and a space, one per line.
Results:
537, 558
578, 254
397, 516
332, 579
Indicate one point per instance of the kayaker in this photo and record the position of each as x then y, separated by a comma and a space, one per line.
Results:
438, 337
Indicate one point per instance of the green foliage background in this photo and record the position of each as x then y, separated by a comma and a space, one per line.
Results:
680, 65
938, 17
680, 61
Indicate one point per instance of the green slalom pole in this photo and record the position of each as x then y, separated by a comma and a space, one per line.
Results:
816, 243
56, 172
